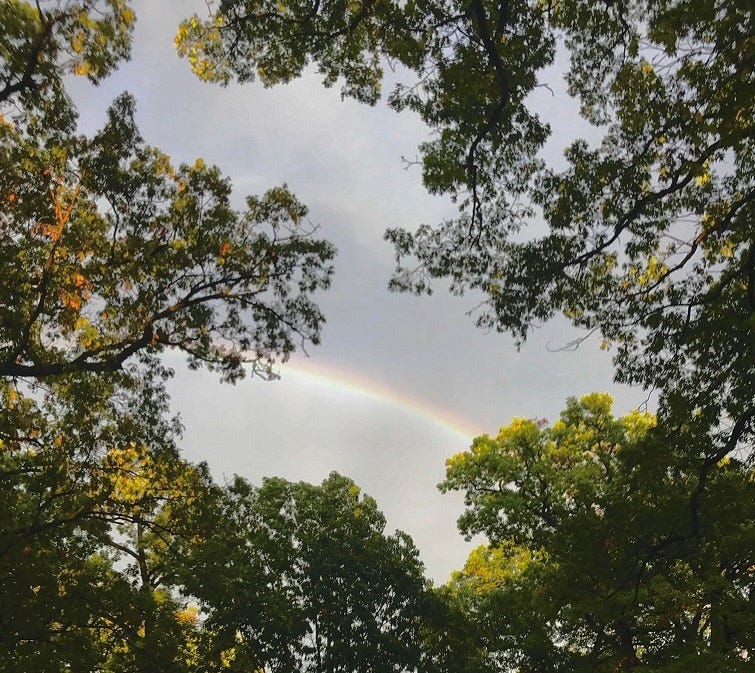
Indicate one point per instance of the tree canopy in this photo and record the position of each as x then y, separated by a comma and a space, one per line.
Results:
613, 544
591, 564
111, 254
645, 236
90, 482
309, 579
117, 251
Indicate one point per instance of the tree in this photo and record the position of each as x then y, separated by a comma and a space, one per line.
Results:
111, 251
91, 489
645, 237
591, 564
109, 256
170, 265
298, 577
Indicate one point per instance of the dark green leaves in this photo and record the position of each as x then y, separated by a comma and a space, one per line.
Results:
607, 552
304, 578
117, 251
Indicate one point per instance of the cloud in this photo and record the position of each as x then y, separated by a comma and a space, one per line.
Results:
344, 160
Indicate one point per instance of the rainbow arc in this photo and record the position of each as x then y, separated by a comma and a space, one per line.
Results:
350, 382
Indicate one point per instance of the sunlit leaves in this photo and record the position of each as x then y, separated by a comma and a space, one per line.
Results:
166, 263
605, 551
344, 43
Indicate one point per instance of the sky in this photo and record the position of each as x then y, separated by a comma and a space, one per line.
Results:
399, 383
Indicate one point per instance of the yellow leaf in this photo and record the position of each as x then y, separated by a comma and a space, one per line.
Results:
188, 616
702, 180
77, 43
83, 68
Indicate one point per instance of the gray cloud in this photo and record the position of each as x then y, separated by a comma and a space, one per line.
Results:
344, 161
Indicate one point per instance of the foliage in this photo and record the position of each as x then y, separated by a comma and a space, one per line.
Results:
645, 236
310, 581
602, 556
110, 255
44, 41
615, 544
109, 250
169, 264
91, 485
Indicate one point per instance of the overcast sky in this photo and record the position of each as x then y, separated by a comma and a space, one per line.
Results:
376, 399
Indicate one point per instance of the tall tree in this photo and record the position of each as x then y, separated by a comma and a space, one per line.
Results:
110, 254
645, 237
591, 565
308, 579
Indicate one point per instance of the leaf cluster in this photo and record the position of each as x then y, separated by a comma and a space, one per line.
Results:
644, 237
605, 553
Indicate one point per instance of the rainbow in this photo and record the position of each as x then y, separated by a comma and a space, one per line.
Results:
332, 377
